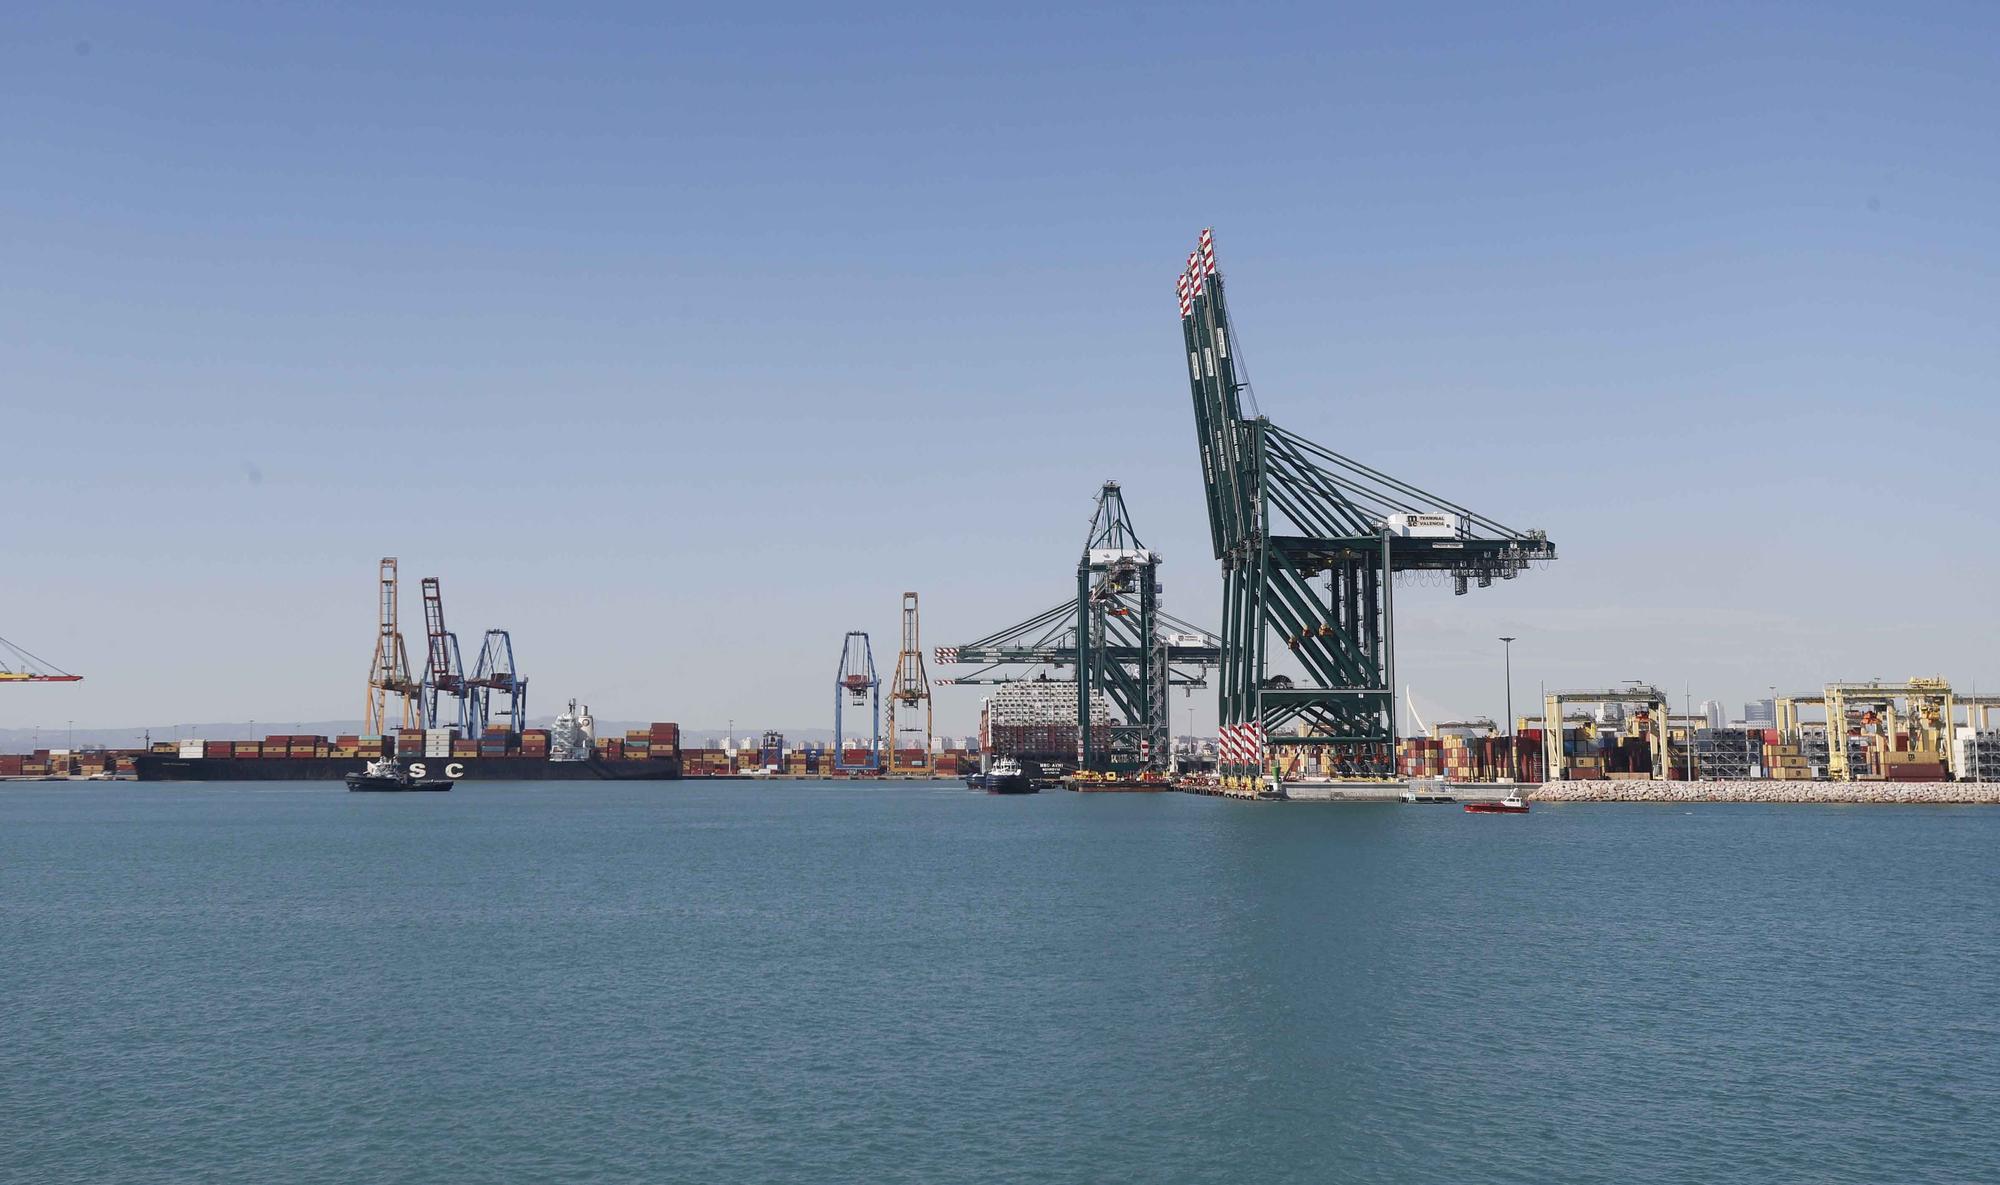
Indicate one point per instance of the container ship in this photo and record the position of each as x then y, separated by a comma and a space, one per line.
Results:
566, 752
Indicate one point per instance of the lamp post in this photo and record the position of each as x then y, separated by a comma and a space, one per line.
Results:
1513, 750
1687, 706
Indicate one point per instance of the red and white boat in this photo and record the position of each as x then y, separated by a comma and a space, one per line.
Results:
1510, 805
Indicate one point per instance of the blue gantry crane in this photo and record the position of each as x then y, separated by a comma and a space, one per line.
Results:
495, 681
857, 682
444, 669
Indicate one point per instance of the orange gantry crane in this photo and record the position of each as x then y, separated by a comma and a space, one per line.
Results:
26, 668
909, 696
389, 674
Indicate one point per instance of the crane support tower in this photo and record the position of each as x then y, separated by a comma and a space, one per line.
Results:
1114, 635
26, 668
498, 691
1284, 513
389, 673
909, 695
444, 668
857, 682
1118, 605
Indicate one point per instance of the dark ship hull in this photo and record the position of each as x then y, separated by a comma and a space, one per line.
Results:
162, 767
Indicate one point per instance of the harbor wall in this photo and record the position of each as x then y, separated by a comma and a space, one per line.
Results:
1788, 792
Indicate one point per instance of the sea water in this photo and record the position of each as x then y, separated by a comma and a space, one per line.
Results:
910, 982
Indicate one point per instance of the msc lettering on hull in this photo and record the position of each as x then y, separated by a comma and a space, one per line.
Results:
455, 769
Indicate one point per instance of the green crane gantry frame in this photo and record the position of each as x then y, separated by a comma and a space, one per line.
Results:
1283, 512
1132, 651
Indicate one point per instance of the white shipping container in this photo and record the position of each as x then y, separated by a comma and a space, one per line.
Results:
191, 748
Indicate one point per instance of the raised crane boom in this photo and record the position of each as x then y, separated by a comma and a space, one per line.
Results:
444, 669
389, 673
909, 695
1283, 512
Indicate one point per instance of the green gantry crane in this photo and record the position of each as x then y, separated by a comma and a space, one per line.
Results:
1131, 651
1284, 513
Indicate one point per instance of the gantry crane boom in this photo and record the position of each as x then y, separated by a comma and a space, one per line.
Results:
496, 678
1284, 511
909, 695
1116, 637
857, 680
26, 668
444, 668
389, 673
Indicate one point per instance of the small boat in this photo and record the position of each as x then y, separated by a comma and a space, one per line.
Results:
1510, 805
384, 774
1006, 776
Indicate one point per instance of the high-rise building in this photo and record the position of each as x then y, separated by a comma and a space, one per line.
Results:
1761, 713
1712, 711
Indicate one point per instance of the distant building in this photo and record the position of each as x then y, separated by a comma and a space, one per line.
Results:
1761, 713
1712, 709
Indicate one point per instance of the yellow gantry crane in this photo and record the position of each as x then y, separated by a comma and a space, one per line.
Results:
910, 692
26, 668
1925, 710
1650, 699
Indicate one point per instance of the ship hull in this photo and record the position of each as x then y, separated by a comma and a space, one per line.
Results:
160, 767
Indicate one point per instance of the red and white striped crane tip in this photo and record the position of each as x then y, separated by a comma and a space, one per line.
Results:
1193, 280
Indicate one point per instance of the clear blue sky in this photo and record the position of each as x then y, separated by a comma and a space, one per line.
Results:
681, 342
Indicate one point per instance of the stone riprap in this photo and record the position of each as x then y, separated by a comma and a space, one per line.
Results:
1788, 791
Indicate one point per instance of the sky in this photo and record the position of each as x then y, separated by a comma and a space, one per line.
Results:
679, 342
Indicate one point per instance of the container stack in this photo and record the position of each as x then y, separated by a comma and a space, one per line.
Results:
1785, 761
1037, 720
1420, 757
1976, 756
664, 739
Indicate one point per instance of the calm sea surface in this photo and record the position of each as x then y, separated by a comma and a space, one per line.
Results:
825, 983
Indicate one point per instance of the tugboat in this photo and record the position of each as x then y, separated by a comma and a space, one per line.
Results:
1006, 776
1510, 805
383, 774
